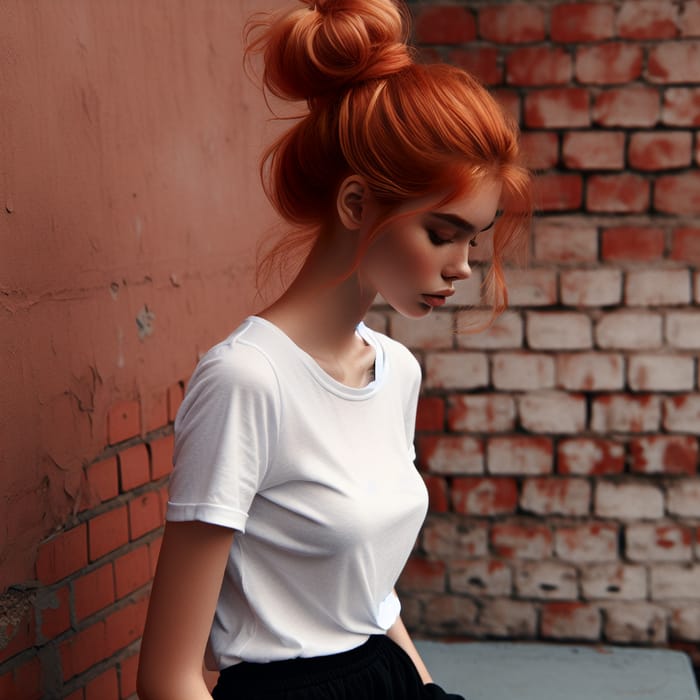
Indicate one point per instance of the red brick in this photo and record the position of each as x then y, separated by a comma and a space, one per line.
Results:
647, 19
175, 396
629, 501
590, 457
153, 552
602, 287
103, 480
588, 542
565, 241
161, 456
586, 371
123, 421
594, 150
690, 18
540, 148
24, 683
609, 64
484, 496
557, 108
627, 106
76, 695
660, 151
632, 243
575, 22
53, 614
62, 555
569, 620
144, 514
538, 65
558, 192
133, 467
646, 542
104, 687
661, 373
83, 650
681, 106
483, 577
510, 102
456, 370
431, 413
685, 245
126, 624
674, 62
625, 413
619, 194
484, 63
678, 194
155, 411
127, 676
108, 532
516, 23
519, 455
657, 287
451, 454
521, 539
131, 571
423, 575
682, 414
522, 371
481, 413
93, 591
552, 496
438, 501
17, 632
444, 24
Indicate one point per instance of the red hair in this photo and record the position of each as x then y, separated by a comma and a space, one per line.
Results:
410, 130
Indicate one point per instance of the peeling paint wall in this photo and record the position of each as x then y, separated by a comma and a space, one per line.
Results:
129, 211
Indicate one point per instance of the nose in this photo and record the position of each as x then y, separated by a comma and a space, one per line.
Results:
457, 267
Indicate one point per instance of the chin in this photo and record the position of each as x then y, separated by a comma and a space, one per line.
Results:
415, 312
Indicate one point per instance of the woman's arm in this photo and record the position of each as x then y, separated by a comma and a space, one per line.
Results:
399, 634
183, 599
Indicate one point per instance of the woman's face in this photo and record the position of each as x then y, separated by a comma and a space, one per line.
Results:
415, 262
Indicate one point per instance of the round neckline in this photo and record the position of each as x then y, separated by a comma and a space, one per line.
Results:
325, 379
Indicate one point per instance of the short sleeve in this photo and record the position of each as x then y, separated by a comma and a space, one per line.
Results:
225, 433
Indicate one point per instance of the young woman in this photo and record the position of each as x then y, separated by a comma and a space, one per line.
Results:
294, 500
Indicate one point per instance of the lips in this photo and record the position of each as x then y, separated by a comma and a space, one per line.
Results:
434, 299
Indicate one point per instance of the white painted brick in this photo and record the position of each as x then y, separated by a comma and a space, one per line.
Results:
558, 330
552, 412
481, 413
467, 292
570, 620
521, 538
664, 454
565, 240
661, 373
586, 456
669, 581
590, 371
628, 501
484, 577
444, 614
683, 329
433, 331
614, 582
522, 371
377, 321
601, 287
451, 454
657, 287
685, 621
448, 539
506, 332
546, 580
456, 370
635, 622
629, 330
683, 498
519, 455
682, 414
531, 287
589, 542
658, 542
626, 414
507, 618
551, 496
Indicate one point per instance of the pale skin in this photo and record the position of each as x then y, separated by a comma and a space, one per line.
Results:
414, 266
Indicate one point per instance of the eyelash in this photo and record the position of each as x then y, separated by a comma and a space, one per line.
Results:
435, 239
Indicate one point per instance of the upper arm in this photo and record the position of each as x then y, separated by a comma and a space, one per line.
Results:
183, 600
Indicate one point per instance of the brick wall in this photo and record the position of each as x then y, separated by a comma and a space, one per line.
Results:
561, 446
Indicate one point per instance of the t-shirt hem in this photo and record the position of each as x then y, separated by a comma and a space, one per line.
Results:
207, 513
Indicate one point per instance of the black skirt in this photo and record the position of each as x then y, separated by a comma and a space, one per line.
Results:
379, 669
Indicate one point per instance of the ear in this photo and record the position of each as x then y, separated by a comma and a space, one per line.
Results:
351, 203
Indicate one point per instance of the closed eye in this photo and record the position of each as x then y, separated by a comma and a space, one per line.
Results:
436, 238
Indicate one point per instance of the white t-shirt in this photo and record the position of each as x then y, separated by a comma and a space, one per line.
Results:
318, 480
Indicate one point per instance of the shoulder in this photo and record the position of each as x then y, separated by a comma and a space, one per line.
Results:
399, 355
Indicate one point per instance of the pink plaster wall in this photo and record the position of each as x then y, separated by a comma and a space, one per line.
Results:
129, 140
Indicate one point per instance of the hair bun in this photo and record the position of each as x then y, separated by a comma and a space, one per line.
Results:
329, 45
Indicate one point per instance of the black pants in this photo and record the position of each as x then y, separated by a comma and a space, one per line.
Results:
377, 670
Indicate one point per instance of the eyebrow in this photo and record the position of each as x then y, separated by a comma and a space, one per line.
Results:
459, 222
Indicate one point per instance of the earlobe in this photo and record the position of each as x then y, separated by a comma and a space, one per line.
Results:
351, 201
